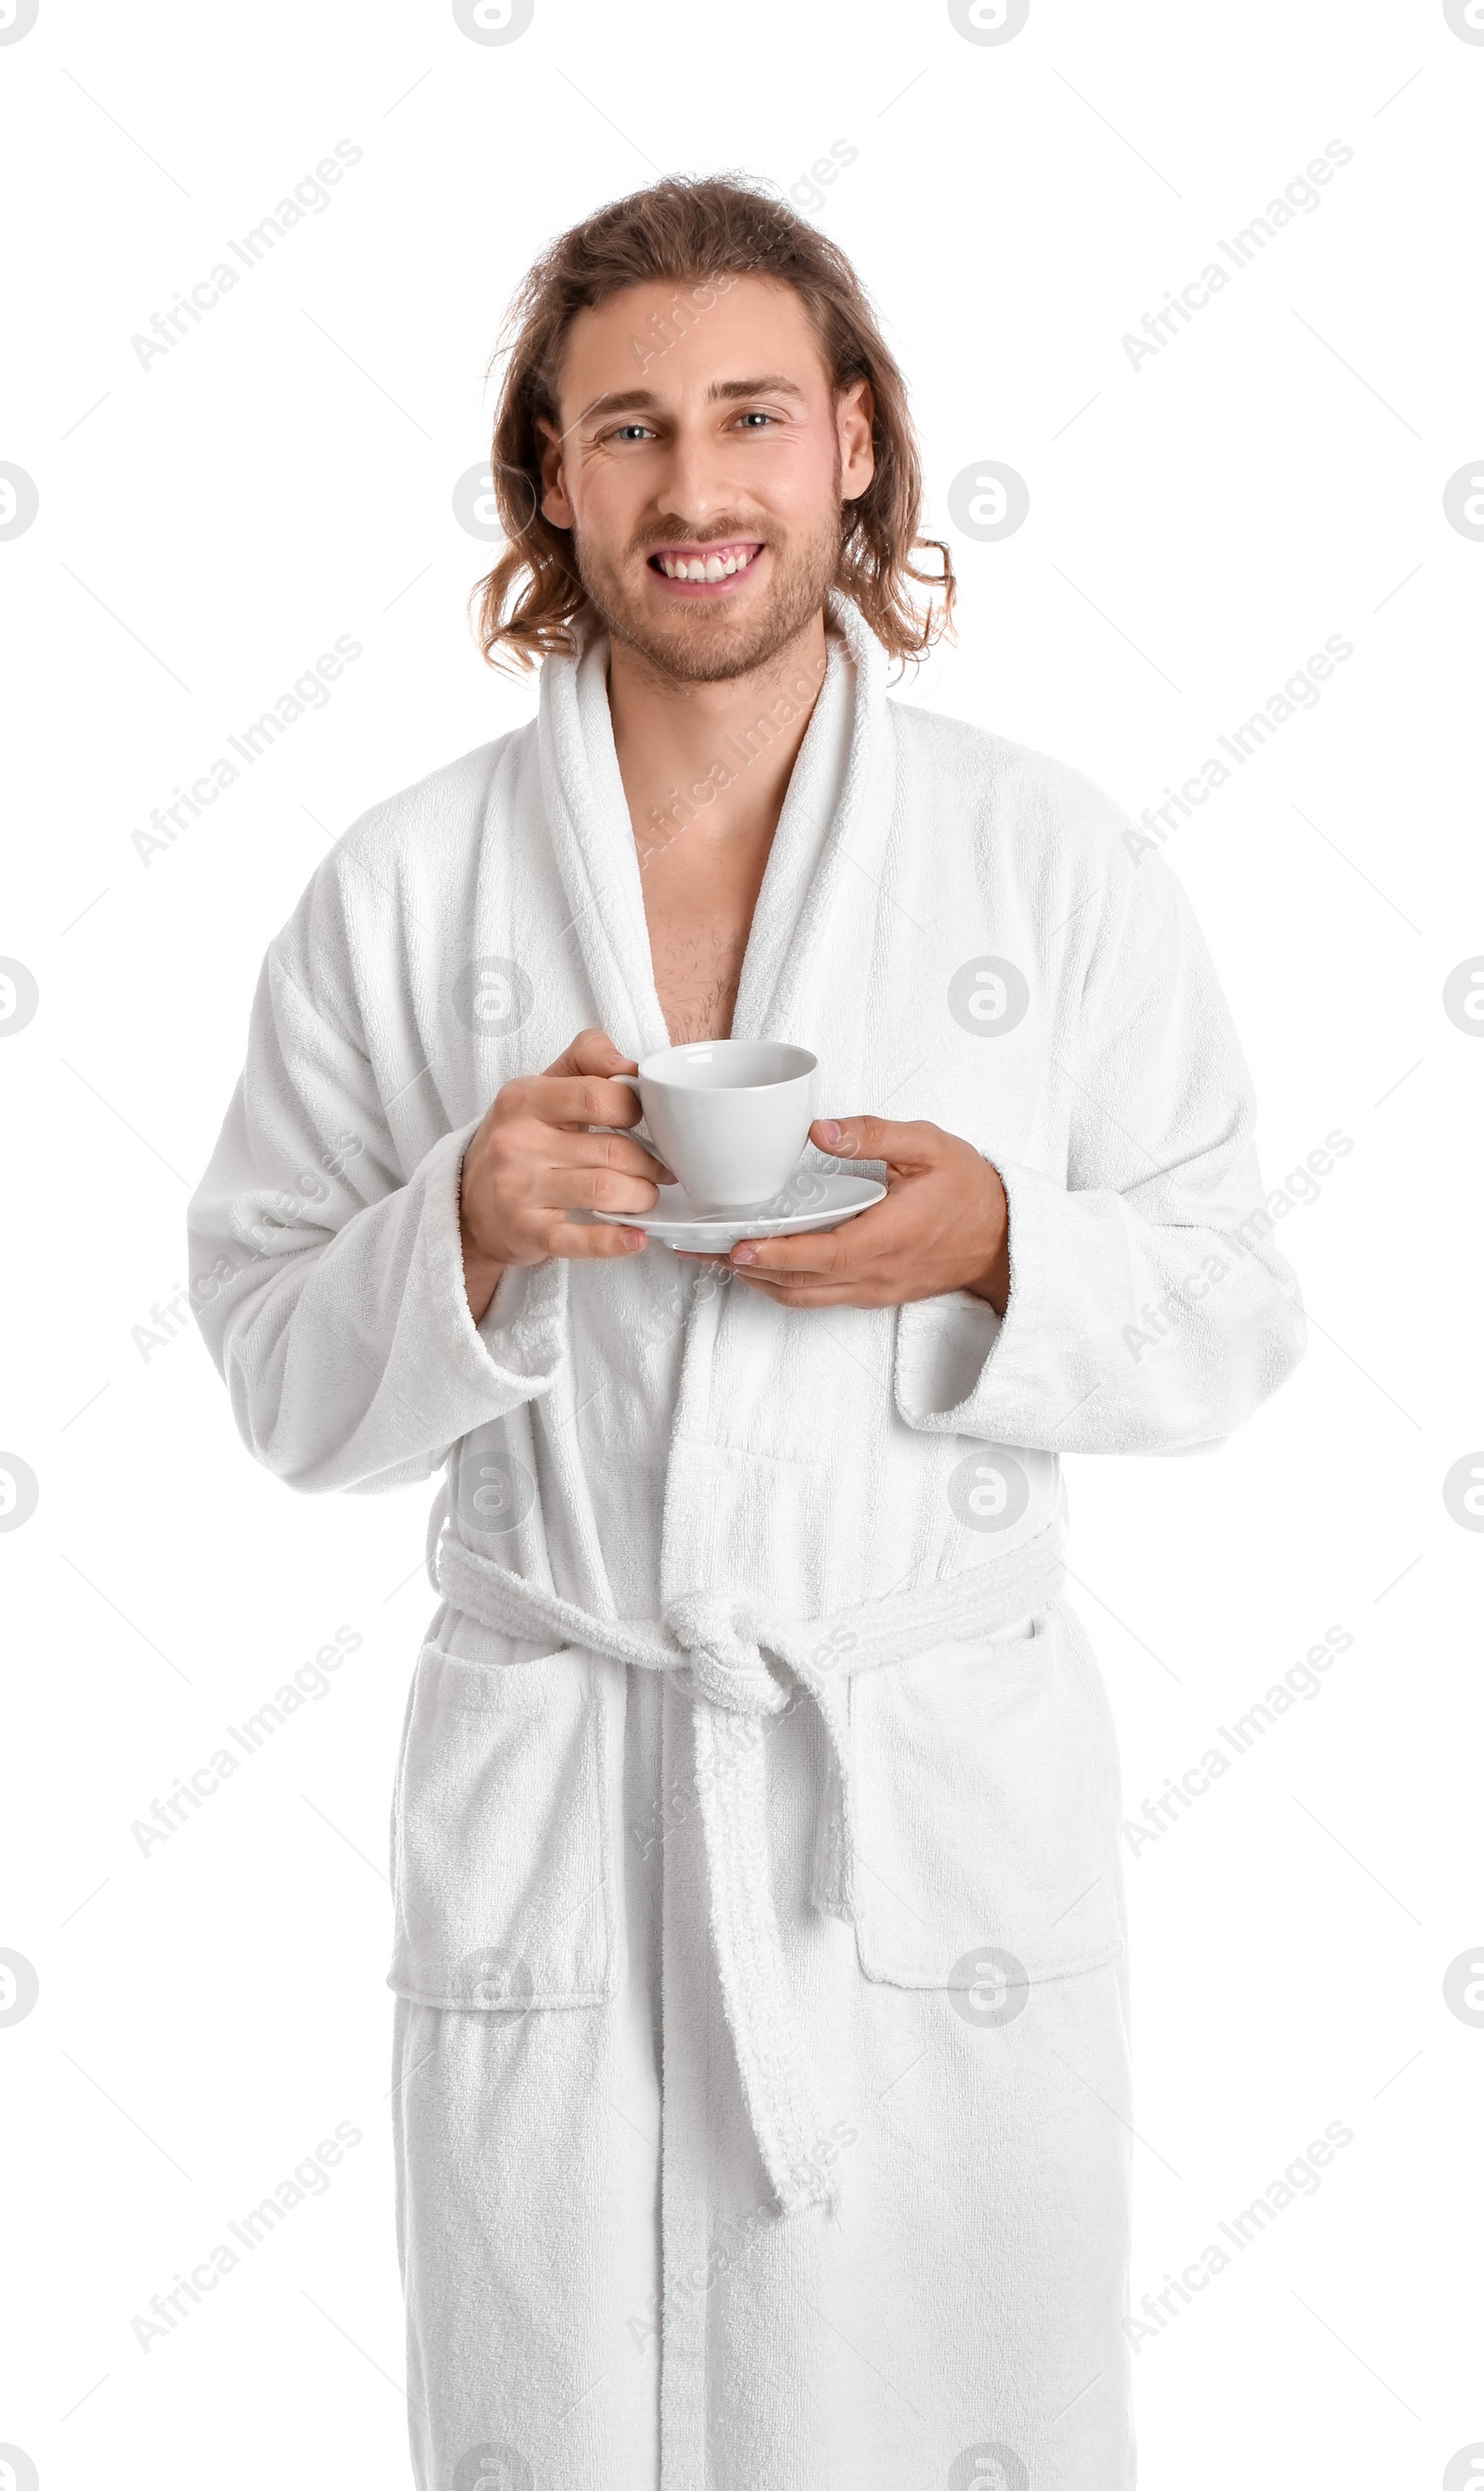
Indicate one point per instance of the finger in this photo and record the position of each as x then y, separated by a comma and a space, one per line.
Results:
853, 1246
597, 1188
803, 1289
796, 1275
563, 1148
877, 1137
593, 1050
580, 1098
575, 1241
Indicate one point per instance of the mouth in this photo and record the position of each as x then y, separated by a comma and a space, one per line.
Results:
706, 570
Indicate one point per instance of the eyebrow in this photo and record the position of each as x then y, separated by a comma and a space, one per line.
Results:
633, 401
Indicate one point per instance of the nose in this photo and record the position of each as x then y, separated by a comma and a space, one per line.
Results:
694, 480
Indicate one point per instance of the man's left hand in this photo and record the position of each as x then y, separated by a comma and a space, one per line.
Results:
943, 1224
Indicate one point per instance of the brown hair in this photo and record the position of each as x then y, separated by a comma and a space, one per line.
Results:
697, 232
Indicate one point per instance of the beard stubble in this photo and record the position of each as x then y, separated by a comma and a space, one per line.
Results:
710, 644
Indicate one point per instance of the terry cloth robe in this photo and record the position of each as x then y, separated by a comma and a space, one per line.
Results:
762, 2058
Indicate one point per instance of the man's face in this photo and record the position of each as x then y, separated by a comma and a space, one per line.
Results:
725, 454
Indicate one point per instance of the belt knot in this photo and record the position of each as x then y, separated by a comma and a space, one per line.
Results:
722, 1663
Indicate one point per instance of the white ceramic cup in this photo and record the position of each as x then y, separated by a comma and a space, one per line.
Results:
729, 1115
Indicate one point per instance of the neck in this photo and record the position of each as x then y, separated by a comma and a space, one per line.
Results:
712, 759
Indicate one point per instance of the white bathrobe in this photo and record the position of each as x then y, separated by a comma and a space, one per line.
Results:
761, 2033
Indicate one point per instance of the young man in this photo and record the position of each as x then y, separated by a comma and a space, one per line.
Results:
762, 2050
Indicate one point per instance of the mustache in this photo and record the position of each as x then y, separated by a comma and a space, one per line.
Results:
682, 535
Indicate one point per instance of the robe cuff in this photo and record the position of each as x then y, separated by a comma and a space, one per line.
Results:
960, 1369
517, 1348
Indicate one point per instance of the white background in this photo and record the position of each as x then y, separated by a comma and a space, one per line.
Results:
284, 474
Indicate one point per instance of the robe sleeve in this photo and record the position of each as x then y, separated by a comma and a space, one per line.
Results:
329, 1286
1149, 1311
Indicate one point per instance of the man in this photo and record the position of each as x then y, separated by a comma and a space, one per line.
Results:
762, 2061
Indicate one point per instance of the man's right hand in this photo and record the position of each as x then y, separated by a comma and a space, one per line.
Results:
533, 1160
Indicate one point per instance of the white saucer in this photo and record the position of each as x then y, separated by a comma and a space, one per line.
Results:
810, 1200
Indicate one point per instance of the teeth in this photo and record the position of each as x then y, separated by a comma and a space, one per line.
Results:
713, 567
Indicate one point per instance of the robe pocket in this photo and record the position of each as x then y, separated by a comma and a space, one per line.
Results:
986, 1803
500, 1855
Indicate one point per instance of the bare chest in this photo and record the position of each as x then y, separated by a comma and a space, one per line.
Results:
698, 929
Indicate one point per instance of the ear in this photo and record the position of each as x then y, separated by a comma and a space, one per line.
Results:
855, 413
555, 504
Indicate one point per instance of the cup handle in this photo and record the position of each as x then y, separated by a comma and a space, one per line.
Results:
640, 1131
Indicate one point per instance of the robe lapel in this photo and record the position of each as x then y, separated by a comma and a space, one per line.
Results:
592, 837
832, 828
833, 821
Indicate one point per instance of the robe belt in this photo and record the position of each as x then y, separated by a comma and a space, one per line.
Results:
714, 1648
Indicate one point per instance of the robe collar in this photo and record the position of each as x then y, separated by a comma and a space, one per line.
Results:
835, 814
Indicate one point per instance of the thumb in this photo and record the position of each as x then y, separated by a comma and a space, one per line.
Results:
593, 1050
871, 1137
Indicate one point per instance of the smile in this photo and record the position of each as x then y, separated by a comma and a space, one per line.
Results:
705, 567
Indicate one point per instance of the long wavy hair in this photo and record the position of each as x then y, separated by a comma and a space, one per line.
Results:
692, 232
